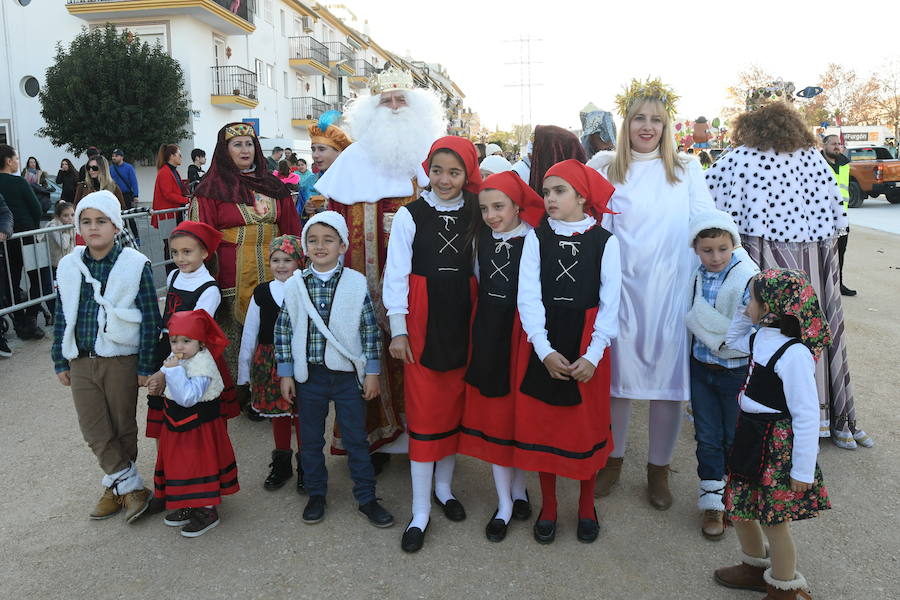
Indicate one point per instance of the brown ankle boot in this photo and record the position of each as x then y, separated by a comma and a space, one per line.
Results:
608, 476
786, 590
746, 576
658, 486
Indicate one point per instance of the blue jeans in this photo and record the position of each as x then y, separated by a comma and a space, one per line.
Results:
714, 402
324, 386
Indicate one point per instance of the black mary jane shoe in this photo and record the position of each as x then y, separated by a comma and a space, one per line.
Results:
522, 508
495, 530
544, 531
413, 539
453, 509
588, 529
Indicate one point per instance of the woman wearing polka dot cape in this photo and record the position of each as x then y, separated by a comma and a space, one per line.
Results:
786, 203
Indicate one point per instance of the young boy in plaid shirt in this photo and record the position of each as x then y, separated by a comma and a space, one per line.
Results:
718, 289
104, 338
327, 339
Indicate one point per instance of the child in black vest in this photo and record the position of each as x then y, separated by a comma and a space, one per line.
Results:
256, 361
429, 290
509, 210
569, 286
773, 476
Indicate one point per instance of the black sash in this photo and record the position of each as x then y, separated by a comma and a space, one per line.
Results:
180, 418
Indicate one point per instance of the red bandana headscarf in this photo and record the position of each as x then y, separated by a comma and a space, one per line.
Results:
466, 151
226, 183
198, 325
589, 184
509, 182
207, 235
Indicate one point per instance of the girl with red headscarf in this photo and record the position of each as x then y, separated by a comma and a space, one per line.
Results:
568, 299
195, 465
251, 207
428, 295
509, 210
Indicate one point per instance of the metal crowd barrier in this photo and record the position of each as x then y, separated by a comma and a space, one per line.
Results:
36, 285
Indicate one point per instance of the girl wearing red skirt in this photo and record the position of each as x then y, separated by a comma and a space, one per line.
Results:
195, 464
428, 295
256, 361
509, 210
569, 284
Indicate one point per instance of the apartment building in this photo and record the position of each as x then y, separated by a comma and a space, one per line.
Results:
277, 63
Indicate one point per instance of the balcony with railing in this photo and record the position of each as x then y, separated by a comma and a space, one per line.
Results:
231, 17
340, 58
362, 71
337, 102
306, 110
233, 87
309, 55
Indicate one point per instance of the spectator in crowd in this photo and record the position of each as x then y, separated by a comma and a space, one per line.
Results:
169, 191
307, 181
124, 176
26, 214
705, 159
62, 241
272, 161
37, 179
195, 169
6, 229
98, 178
67, 177
290, 179
492, 149
288, 154
91, 152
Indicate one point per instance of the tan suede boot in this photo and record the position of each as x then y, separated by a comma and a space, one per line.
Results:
108, 505
608, 476
746, 576
786, 590
658, 486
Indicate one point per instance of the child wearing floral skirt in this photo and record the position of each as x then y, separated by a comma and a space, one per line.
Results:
256, 361
773, 475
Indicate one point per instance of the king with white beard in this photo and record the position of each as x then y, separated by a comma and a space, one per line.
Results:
376, 175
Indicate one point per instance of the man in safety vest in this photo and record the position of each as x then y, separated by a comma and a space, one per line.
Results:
840, 164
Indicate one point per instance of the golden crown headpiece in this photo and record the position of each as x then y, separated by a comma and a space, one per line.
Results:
391, 79
239, 129
777, 91
651, 89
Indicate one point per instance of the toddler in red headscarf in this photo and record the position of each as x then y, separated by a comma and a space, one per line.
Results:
195, 464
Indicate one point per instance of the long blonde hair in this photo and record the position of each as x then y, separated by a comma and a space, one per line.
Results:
618, 169
103, 175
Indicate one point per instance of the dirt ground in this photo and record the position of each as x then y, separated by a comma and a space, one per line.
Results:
262, 549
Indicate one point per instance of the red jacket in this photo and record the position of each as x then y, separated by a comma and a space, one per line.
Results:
168, 192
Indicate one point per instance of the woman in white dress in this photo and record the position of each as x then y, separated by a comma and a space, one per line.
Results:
657, 193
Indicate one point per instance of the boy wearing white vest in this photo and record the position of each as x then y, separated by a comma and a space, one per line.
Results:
107, 324
718, 289
328, 341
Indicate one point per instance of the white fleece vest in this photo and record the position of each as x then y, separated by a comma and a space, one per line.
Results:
118, 317
203, 364
710, 324
343, 346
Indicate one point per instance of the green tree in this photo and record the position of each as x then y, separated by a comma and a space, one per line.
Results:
108, 89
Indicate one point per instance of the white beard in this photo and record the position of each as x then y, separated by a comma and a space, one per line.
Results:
397, 141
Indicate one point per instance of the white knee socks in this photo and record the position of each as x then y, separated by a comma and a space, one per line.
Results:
443, 477
503, 477
665, 423
420, 473
518, 485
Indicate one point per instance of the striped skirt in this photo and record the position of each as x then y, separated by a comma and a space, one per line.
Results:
820, 261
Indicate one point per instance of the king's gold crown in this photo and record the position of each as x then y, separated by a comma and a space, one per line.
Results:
391, 79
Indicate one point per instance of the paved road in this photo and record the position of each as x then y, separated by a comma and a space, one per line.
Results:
263, 550
877, 213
